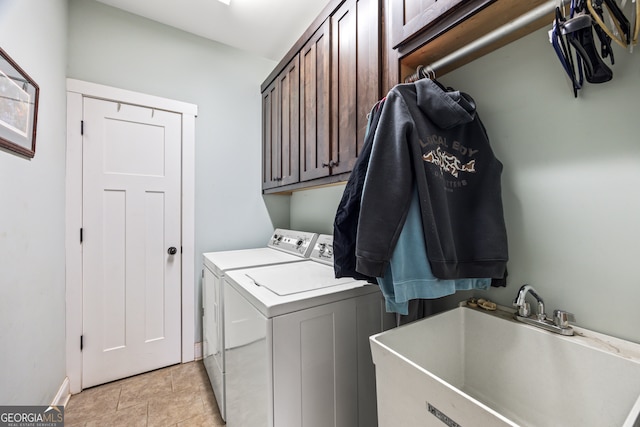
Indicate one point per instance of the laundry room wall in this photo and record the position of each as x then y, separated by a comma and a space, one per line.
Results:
112, 47
314, 210
32, 280
570, 181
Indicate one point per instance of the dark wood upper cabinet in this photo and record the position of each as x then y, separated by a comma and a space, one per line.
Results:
289, 82
315, 83
411, 17
340, 68
280, 128
339, 82
269, 136
355, 78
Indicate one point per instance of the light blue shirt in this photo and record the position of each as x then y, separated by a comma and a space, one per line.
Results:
408, 275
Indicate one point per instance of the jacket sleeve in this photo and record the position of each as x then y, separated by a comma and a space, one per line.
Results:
386, 194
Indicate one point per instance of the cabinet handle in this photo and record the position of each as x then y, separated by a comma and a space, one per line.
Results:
331, 164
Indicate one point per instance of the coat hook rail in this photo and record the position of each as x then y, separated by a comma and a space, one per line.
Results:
495, 35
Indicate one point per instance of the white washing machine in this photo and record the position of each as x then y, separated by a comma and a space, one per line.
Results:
284, 246
297, 351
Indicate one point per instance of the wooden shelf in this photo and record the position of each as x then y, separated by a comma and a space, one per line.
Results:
308, 185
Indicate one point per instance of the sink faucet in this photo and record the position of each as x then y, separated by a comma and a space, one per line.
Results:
560, 323
523, 306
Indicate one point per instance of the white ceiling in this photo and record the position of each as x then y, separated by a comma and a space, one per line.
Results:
268, 28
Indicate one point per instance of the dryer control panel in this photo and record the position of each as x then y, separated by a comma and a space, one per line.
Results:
323, 249
292, 241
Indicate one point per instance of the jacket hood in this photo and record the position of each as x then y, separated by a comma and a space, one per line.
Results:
445, 109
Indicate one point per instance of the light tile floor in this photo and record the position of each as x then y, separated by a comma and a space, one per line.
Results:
177, 396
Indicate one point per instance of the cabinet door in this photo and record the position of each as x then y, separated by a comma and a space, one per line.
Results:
355, 78
315, 371
314, 105
280, 128
289, 138
270, 127
410, 17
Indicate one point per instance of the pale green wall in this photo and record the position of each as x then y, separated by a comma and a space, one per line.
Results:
115, 48
32, 288
314, 210
571, 181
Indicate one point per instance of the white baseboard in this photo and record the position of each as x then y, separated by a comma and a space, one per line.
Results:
197, 349
63, 395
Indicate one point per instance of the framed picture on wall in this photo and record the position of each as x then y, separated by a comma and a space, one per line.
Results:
18, 108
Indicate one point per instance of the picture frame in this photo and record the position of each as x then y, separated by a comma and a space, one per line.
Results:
18, 108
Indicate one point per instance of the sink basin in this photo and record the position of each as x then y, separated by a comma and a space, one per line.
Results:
468, 367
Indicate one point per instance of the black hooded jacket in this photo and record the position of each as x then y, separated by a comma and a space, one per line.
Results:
345, 224
434, 139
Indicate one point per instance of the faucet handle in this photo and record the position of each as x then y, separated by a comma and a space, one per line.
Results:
561, 318
541, 315
524, 310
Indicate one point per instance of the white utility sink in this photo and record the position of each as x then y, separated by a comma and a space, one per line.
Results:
470, 368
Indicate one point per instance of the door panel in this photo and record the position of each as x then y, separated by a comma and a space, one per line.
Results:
344, 79
154, 256
289, 83
355, 65
409, 17
270, 152
280, 128
131, 216
315, 74
113, 307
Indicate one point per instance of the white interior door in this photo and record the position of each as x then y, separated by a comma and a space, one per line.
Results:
131, 219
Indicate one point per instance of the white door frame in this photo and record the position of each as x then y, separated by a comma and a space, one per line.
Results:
76, 90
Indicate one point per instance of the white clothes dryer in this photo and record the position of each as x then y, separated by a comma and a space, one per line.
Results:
297, 344
284, 246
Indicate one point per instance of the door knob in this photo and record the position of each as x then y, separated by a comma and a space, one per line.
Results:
172, 250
